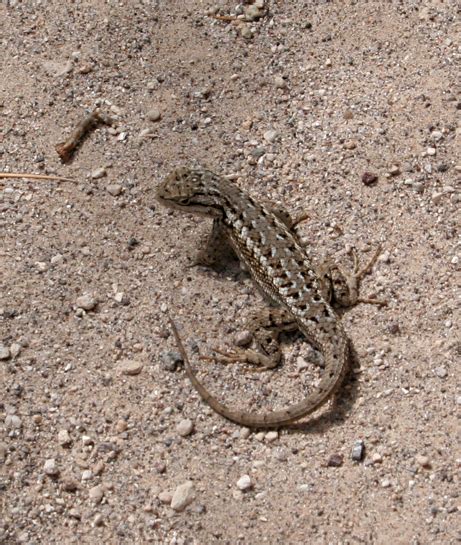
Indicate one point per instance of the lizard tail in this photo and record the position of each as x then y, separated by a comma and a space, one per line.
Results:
331, 380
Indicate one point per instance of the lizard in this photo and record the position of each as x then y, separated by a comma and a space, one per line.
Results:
265, 242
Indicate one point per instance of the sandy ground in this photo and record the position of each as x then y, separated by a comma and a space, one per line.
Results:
103, 438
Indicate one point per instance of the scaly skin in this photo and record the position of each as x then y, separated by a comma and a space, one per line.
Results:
280, 266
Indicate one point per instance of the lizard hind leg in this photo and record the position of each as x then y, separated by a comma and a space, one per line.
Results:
266, 327
345, 285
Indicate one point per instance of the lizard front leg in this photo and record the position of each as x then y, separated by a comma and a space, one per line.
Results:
266, 326
342, 288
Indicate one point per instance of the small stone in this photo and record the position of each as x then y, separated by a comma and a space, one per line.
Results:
121, 425
130, 367
98, 520
385, 483
350, 144
423, 461
69, 484
376, 458
253, 13
246, 432
245, 32
114, 189
183, 496
57, 69
437, 197
437, 135
301, 364
87, 475
272, 436
441, 372
96, 494
50, 468
41, 266
3, 451
57, 259
154, 114
12, 421
328, 62
64, 438
244, 483
171, 360
369, 178
75, 513
358, 451
185, 427
87, 440
335, 460
394, 170
4, 352
15, 350
86, 302
165, 497
98, 173
280, 83
271, 136
243, 338
431, 151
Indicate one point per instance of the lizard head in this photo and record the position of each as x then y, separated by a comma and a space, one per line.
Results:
191, 190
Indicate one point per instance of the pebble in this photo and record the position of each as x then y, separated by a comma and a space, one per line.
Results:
183, 496
245, 32
130, 367
57, 69
335, 460
98, 173
394, 170
165, 497
96, 494
280, 83
114, 189
185, 427
253, 13
244, 483
301, 364
243, 338
423, 461
441, 372
98, 520
369, 178
4, 352
154, 114
246, 432
376, 458
86, 302
50, 468
351, 144
3, 451
431, 151
64, 438
87, 475
121, 425
12, 421
57, 259
358, 451
437, 135
170, 360
272, 436
69, 484
385, 483
271, 136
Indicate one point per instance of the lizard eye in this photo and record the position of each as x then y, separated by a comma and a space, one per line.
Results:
184, 201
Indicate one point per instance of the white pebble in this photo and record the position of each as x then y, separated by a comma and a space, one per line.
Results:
244, 483
130, 367
96, 494
431, 151
86, 302
4, 352
50, 467
271, 436
183, 496
64, 438
185, 427
271, 136
98, 173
